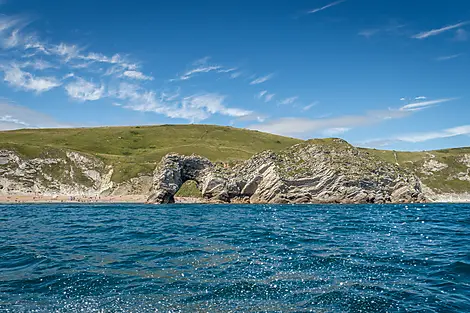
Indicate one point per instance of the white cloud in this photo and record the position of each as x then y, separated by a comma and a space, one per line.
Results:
65, 50
11, 120
204, 69
262, 79
461, 35
193, 108
438, 31
13, 40
27, 81
38, 64
335, 131
252, 117
269, 97
202, 61
261, 94
449, 57
9, 22
369, 32
14, 116
420, 98
227, 70
265, 95
325, 7
393, 28
288, 100
421, 137
212, 103
235, 75
446, 133
424, 104
305, 126
137, 75
311, 105
83, 90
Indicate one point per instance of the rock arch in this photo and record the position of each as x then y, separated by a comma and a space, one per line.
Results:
173, 171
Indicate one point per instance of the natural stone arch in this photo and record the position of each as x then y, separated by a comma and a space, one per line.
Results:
173, 171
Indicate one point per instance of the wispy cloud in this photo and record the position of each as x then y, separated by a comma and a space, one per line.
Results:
304, 126
252, 117
235, 75
83, 90
18, 78
13, 116
424, 104
262, 79
269, 97
261, 94
335, 131
461, 35
445, 133
325, 7
212, 103
202, 66
449, 57
203, 69
420, 137
311, 105
136, 75
369, 32
194, 108
288, 100
438, 31
393, 27
38, 64
264, 95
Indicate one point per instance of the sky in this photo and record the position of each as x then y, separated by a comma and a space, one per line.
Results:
389, 74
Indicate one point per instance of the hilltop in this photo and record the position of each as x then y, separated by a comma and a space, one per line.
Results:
135, 150
122, 160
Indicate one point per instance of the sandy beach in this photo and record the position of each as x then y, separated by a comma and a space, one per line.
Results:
87, 199
72, 199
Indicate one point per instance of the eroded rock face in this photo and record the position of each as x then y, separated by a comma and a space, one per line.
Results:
69, 173
64, 173
304, 173
174, 170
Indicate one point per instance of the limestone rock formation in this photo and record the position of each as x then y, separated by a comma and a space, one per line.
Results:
310, 172
58, 172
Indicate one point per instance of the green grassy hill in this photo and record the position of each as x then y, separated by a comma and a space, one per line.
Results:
444, 171
136, 150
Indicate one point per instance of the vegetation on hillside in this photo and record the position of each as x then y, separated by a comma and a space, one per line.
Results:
136, 150
441, 170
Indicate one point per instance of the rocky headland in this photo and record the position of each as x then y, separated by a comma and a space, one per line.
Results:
314, 171
304, 173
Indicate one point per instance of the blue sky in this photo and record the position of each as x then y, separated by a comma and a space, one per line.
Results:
385, 74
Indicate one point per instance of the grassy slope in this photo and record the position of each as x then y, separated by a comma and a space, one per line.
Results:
442, 181
136, 150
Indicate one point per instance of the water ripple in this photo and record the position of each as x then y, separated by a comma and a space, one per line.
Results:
235, 258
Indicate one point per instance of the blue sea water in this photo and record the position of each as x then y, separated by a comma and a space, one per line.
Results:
234, 258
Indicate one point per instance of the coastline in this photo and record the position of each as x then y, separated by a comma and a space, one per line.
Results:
72, 199
9, 199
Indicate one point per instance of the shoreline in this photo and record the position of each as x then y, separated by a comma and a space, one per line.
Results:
142, 199
5, 199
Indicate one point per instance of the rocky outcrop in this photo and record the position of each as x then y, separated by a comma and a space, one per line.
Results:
327, 172
58, 172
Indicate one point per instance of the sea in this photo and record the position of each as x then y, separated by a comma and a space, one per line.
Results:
234, 258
